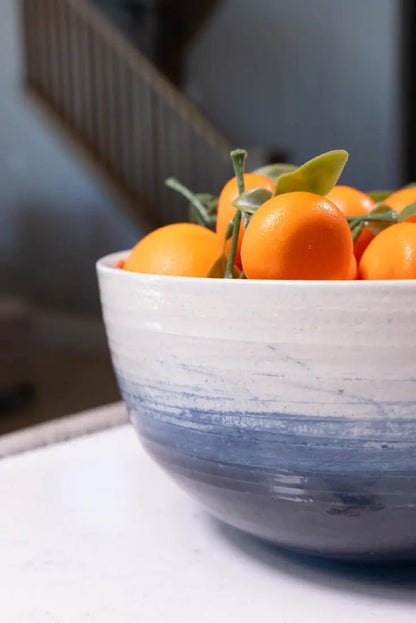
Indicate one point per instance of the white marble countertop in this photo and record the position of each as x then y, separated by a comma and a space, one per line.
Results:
91, 530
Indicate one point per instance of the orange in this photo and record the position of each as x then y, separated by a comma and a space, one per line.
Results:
353, 269
362, 243
182, 249
353, 202
226, 210
401, 199
391, 255
297, 235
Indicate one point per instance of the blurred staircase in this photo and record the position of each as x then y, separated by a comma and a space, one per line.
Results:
92, 75
161, 29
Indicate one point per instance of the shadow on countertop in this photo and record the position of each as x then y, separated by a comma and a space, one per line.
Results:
393, 582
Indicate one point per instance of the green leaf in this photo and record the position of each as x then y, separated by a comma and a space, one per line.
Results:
202, 206
252, 199
245, 219
407, 212
317, 176
275, 170
217, 270
378, 195
194, 216
209, 203
411, 185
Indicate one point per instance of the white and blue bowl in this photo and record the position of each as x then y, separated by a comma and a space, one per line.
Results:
287, 408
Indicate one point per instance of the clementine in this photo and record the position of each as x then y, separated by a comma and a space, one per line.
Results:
391, 255
353, 202
226, 210
297, 235
401, 199
181, 249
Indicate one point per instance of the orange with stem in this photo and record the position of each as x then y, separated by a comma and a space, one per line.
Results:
226, 211
353, 202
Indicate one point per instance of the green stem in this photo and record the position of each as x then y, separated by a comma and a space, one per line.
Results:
230, 260
356, 231
175, 184
388, 217
354, 222
238, 157
228, 234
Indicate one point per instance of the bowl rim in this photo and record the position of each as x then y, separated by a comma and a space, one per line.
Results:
106, 265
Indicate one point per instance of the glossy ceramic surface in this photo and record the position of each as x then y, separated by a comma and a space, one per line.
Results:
286, 408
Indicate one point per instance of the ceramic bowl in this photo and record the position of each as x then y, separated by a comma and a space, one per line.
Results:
287, 408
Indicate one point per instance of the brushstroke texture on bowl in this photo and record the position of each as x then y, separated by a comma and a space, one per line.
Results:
286, 408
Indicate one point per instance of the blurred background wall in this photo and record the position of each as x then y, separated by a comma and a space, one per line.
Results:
56, 216
305, 77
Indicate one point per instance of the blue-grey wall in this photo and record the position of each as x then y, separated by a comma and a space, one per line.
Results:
55, 217
305, 76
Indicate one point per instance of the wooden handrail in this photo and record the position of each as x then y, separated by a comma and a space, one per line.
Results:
133, 121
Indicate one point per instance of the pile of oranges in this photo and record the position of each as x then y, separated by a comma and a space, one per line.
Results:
298, 234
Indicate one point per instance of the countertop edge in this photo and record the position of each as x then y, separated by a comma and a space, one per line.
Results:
63, 429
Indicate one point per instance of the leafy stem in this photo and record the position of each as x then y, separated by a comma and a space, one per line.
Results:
250, 201
205, 205
356, 230
228, 274
387, 216
238, 157
379, 218
228, 234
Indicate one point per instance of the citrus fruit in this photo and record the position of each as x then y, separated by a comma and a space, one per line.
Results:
391, 255
297, 235
401, 199
181, 249
353, 269
353, 202
226, 210
362, 243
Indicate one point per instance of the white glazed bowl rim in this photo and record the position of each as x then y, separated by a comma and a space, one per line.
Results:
107, 264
